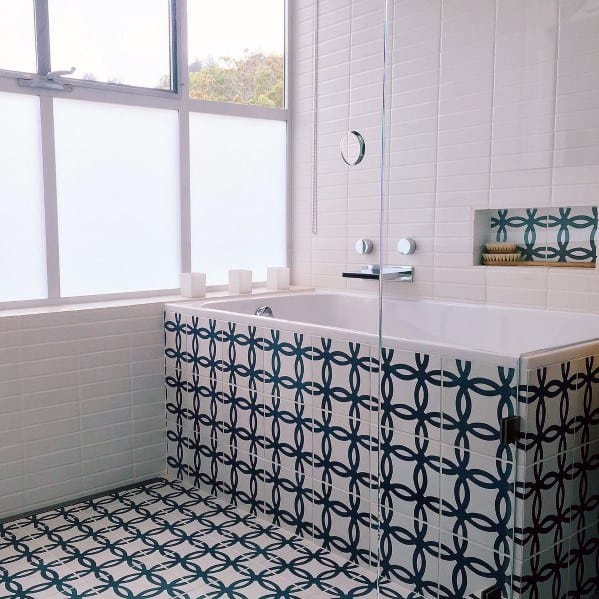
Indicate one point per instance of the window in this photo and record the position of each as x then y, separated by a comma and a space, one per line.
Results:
22, 238
113, 41
112, 179
237, 182
17, 36
117, 180
238, 60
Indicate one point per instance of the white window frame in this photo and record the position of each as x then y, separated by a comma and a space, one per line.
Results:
176, 99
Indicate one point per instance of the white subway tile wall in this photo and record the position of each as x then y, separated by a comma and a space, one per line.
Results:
81, 403
493, 103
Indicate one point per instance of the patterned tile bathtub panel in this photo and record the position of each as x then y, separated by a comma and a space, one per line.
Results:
446, 480
557, 540
293, 428
556, 234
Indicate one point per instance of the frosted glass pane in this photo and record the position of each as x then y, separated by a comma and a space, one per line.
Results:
17, 36
117, 170
112, 41
22, 238
236, 51
238, 195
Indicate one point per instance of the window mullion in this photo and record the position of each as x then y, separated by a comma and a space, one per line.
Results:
42, 37
182, 79
50, 196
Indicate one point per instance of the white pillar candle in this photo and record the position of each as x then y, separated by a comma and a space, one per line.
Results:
193, 284
277, 278
240, 281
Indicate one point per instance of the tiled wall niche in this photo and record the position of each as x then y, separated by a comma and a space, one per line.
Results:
493, 105
562, 235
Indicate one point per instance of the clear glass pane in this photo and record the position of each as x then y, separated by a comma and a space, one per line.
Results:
236, 51
113, 41
22, 238
238, 195
17, 36
117, 170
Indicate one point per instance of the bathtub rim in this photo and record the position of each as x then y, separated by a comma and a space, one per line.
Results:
525, 361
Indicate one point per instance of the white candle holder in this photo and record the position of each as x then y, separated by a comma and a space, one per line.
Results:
240, 281
277, 278
193, 284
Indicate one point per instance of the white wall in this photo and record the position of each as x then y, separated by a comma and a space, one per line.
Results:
81, 403
494, 103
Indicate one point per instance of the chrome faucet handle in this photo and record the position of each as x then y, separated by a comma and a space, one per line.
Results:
406, 246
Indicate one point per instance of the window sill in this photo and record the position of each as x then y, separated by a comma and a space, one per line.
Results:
128, 302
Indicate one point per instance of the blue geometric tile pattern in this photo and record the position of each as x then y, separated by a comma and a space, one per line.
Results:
526, 227
557, 526
567, 234
163, 539
394, 464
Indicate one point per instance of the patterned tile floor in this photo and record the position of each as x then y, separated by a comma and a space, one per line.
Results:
163, 539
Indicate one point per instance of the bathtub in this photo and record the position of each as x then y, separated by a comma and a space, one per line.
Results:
439, 458
489, 334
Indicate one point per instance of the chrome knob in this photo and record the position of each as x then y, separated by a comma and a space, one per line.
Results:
364, 246
406, 246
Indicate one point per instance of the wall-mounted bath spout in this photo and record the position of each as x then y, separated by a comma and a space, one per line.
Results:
403, 274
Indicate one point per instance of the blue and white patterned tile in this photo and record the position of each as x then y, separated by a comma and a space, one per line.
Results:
572, 234
411, 393
204, 399
341, 372
410, 476
466, 569
288, 438
342, 452
241, 420
175, 340
543, 509
526, 227
344, 524
551, 424
544, 575
583, 563
409, 553
241, 479
288, 499
475, 400
287, 365
477, 498
587, 413
317, 570
583, 483
176, 388
243, 356
204, 347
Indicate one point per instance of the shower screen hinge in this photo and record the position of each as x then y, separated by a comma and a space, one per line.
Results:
492, 593
510, 427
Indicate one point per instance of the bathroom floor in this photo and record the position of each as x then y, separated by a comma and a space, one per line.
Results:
164, 539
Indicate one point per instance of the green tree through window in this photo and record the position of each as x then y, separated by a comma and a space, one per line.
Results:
255, 79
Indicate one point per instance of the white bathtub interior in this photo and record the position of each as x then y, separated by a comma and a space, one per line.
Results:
478, 331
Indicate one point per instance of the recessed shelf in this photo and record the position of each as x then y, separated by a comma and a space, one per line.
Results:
551, 237
546, 264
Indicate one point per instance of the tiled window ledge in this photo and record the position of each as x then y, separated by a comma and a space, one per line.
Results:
127, 302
